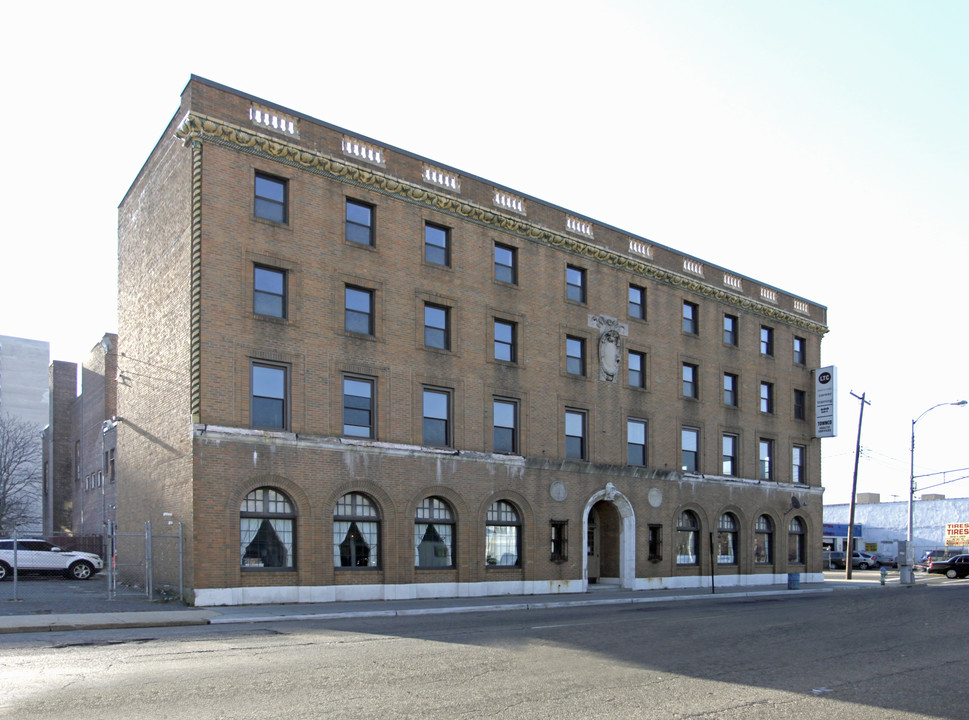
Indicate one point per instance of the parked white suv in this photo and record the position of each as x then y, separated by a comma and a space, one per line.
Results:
39, 556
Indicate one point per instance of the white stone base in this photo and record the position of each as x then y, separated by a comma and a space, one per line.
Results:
209, 597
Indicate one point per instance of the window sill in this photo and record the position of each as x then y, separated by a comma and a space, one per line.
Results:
341, 568
272, 319
359, 336
271, 223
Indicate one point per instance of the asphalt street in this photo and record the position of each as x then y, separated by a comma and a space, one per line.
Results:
868, 653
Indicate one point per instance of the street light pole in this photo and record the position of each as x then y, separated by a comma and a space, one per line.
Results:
907, 574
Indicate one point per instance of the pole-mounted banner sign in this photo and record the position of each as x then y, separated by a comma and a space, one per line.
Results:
826, 402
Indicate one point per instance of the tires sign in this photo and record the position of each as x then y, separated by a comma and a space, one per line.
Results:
956, 534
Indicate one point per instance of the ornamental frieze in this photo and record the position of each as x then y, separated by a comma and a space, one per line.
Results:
196, 127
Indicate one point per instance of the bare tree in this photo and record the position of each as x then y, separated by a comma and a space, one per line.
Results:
20, 472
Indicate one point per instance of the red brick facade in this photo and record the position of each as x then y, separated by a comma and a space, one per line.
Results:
239, 269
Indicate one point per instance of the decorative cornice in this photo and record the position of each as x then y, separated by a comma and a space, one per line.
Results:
196, 127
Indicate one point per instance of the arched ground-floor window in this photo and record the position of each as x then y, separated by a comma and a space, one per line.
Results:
503, 535
356, 532
267, 525
727, 540
764, 541
433, 534
687, 538
795, 542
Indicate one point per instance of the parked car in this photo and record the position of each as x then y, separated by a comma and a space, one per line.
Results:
39, 556
863, 560
954, 567
860, 560
886, 560
935, 555
834, 559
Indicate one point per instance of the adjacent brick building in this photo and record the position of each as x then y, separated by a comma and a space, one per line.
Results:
79, 443
356, 373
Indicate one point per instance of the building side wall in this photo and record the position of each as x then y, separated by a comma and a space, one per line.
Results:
154, 471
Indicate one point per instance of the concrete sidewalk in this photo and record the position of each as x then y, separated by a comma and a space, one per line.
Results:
185, 616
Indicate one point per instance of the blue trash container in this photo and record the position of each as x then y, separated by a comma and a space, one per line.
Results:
793, 581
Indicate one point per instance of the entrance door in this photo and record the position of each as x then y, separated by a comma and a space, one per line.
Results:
592, 542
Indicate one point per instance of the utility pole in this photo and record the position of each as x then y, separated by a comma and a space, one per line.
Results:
854, 487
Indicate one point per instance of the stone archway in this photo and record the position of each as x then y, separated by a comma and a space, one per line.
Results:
609, 539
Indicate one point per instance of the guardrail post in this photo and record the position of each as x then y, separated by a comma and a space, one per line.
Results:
148, 560
181, 576
15, 544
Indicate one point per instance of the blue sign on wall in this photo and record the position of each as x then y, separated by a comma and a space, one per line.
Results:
841, 530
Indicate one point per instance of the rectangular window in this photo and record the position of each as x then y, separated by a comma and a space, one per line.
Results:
358, 407
766, 340
559, 531
636, 442
506, 264
655, 547
729, 453
505, 425
800, 351
575, 356
575, 434
269, 291
270, 198
437, 245
437, 418
766, 459
800, 405
730, 329
637, 302
691, 320
691, 388
575, 283
360, 225
436, 331
690, 449
730, 389
111, 475
637, 369
269, 394
506, 346
767, 397
797, 464
358, 310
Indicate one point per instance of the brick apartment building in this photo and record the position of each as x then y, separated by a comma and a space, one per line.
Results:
357, 373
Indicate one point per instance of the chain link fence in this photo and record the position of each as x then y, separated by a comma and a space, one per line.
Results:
66, 569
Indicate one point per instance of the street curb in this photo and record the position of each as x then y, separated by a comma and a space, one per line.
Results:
461, 609
186, 618
76, 623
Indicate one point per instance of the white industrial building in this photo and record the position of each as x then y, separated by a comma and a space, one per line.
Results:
880, 525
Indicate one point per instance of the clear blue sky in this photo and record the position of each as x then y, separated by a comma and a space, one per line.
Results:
820, 146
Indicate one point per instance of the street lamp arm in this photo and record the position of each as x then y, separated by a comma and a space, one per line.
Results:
959, 403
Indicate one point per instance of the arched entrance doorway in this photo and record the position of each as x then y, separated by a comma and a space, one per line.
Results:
610, 539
